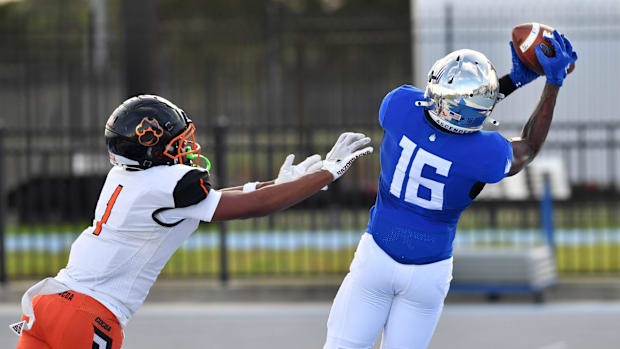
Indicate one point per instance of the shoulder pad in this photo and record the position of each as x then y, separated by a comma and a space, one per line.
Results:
192, 188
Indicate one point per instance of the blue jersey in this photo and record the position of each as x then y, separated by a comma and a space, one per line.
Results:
428, 177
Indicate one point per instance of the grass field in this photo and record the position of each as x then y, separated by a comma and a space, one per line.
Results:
206, 262
299, 242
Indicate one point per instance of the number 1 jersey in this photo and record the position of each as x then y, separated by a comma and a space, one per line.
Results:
141, 218
428, 177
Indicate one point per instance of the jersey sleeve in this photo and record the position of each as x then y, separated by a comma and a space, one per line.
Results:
384, 108
203, 210
193, 199
191, 189
497, 159
396, 107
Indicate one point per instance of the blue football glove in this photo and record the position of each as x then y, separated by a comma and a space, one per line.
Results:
520, 74
555, 67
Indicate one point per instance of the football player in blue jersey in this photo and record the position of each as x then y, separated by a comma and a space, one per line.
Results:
435, 159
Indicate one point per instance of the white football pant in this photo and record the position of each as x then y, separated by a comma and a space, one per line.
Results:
379, 293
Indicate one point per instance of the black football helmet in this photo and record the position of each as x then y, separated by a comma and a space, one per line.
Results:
147, 131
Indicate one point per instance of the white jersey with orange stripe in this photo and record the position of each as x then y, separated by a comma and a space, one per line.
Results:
141, 218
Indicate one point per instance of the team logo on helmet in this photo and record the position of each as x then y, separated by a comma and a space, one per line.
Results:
149, 132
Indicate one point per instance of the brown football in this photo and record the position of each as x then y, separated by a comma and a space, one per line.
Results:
525, 37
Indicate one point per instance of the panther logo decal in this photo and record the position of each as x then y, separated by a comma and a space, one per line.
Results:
149, 132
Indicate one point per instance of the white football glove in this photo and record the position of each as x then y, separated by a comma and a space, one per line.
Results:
344, 153
289, 172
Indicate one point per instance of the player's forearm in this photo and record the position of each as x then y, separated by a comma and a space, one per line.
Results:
265, 184
240, 188
270, 198
274, 198
537, 126
526, 147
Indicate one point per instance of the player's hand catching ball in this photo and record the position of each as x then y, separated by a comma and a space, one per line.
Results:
555, 67
345, 152
520, 74
289, 172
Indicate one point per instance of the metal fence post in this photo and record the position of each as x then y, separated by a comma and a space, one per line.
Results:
221, 149
546, 212
3, 276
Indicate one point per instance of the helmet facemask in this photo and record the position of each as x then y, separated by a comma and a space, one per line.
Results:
183, 149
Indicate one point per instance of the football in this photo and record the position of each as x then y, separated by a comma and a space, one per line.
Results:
525, 37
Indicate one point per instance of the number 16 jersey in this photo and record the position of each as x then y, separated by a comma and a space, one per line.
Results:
428, 177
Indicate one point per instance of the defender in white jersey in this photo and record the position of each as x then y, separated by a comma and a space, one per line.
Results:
152, 200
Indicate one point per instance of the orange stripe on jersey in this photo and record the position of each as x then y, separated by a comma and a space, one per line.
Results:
108, 209
202, 184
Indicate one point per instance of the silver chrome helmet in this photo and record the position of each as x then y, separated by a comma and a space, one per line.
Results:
462, 90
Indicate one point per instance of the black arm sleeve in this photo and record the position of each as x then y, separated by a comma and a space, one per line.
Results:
476, 189
192, 188
506, 86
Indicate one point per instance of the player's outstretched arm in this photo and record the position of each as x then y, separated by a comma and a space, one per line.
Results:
288, 172
535, 131
272, 198
255, 185
537, 126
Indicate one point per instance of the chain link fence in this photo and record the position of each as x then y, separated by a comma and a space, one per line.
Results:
258, 85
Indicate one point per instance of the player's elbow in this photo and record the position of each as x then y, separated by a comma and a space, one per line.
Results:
519, 163
524, 151
516, 168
